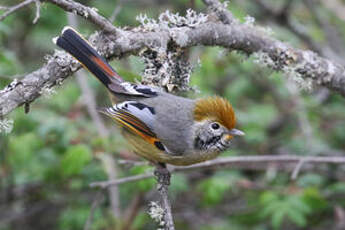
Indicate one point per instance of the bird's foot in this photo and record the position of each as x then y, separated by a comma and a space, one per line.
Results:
162, 174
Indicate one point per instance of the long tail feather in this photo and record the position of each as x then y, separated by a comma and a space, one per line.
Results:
72, 42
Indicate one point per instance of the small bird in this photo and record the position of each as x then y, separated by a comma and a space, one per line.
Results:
162, 128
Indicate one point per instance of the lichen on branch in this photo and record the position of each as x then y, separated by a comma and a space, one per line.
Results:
167, 37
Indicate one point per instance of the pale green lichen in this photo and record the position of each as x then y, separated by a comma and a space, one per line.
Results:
10, 86
286, 64
166, 65
157, 213
249, 20
168, 20
6, 126
47, 91
169, 69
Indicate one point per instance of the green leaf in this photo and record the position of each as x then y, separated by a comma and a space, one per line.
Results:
75, 159
74, 217
65, 97
24, 157
265, 113
8, 62
271, 208
297, 217
24, 145
296, 203
140, 220
277, 218
278, 206
213, 189
268, 197
310, 179
237, 88
314, 199
338, 187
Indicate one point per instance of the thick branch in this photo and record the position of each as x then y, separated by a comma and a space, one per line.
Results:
62, 65
235, 36
282, 56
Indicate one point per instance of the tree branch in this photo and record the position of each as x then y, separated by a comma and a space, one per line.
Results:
118, 42
38, 11
12, 9
220, 10
163, 181
228, 34
286, 162
89, 13
240, 37
95, 203
105, 184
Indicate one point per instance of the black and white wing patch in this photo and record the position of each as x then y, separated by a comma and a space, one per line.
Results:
137, 118
143, 112
138, 90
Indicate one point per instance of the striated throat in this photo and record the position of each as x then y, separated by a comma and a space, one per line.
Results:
204, 145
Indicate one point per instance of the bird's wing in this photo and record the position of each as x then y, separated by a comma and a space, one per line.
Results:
137, 118
138, 90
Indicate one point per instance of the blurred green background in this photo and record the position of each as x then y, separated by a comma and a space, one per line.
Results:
54, 152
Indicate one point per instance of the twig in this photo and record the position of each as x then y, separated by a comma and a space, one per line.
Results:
12, 9
163, 179
95, 203
105, 184
334, 41
38, 11
116, 11
131, 211
339, 217
86, 12
110, 167
297, 169
247, 162
336, 6
131, 163
221, 11
282, 17
90, 103
301, 112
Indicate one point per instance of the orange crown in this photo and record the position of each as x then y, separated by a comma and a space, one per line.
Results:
217, 109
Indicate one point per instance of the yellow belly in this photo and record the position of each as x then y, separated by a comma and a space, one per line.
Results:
153, 154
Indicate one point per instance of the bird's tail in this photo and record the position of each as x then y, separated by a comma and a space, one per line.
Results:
72, 42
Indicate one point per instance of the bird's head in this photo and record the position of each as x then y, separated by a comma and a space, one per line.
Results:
214, 124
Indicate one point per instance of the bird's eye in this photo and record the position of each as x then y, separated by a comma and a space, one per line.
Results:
215, 126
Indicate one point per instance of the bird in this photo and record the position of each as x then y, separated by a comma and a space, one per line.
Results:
162, 128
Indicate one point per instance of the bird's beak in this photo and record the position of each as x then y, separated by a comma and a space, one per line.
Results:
233, 132
236, 132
